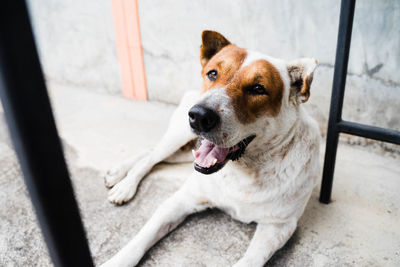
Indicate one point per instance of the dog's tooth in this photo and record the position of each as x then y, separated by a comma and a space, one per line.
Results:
214, 161
194, 153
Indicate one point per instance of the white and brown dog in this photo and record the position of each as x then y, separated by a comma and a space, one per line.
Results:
257, 150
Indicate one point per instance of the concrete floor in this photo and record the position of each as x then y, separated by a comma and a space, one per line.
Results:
359, 228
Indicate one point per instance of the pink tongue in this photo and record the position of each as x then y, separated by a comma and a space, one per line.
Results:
208, 152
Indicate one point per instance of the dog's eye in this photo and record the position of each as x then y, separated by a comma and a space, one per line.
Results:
212, 75
257, 89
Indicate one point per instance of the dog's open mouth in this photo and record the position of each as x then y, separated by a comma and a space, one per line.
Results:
210, 158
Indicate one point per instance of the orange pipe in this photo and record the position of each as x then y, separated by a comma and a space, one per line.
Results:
129, 48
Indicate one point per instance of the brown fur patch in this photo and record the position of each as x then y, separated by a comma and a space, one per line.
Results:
305, 90
300, 86
249, 107
204, 202
212, 43
226, 62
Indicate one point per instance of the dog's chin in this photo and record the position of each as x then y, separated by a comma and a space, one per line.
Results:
222, 155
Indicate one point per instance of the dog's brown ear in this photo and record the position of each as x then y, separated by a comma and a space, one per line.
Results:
212, 42
301, 75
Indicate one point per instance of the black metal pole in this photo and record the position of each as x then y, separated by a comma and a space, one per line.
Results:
339, 82
34, 135
367, 131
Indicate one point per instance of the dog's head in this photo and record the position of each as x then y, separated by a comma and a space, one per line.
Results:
246, 96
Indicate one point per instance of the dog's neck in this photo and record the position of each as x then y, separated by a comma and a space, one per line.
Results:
272, 146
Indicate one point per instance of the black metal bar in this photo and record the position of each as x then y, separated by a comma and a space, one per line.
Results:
34, 135
372, 132
339, 82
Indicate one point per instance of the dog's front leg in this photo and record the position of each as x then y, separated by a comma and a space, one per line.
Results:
177, 135
169, 215
267, 239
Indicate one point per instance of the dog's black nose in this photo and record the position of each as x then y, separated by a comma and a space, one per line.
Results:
203, 119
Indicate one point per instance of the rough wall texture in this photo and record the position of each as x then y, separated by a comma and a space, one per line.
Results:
288, 29
76, 43
77, 47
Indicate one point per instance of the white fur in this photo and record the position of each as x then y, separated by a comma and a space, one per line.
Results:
269, 185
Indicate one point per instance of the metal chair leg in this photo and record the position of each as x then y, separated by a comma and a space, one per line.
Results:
339, 83
34, 135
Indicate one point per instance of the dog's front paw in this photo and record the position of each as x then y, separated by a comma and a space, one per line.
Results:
119, 172
122, 192
114, 175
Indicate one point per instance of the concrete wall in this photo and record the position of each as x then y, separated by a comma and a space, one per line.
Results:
285, 29
77, 46
76, 42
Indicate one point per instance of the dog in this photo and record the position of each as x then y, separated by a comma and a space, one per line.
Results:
256, 156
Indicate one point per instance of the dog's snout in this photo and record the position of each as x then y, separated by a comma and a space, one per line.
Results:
203, 119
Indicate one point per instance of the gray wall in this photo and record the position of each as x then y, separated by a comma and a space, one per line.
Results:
76, 42
285, 29
77, 46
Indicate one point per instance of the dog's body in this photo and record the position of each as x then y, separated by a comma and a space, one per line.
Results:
249, 112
